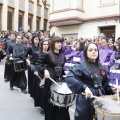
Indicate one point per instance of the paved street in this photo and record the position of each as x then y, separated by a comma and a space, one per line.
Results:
15, 105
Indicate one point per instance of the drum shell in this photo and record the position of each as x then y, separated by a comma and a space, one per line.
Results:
19, 66
62, 100
104, 115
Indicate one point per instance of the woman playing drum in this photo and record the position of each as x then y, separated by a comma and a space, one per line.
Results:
54, 60
37, 67
88, 76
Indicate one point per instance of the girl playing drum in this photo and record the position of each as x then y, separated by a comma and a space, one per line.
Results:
88, 76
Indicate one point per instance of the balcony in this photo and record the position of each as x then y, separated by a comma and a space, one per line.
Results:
30, 8
66, 12
38, 11
69, 17
22, 5
1, 1
11, 3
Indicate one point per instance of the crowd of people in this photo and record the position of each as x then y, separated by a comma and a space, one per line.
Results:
84, 64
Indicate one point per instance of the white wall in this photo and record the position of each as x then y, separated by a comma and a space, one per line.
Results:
86, 30
64, 30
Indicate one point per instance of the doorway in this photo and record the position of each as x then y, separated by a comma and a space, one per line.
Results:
109, 31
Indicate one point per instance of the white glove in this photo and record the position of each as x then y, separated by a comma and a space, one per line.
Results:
35, 73
46, 74
88, 93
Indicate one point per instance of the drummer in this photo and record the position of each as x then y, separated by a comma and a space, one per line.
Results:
8, 42
30, 50
38, 69
89, 77
17, 79
54, 60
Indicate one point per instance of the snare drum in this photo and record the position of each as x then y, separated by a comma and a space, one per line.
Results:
19, 66
112, 113
62, 96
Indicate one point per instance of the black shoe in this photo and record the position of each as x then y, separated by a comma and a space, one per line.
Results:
11, 88
24, 91
42, 112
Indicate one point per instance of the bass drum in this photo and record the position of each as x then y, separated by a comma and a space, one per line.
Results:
62, 96
107, 108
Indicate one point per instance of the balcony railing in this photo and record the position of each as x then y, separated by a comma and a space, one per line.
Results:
38, 11
30, 8
11, 3
21, 4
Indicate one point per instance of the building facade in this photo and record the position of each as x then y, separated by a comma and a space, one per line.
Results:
29, 14
85, 18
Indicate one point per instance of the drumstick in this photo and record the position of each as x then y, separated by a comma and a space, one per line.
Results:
117, 91
39, 77
54, 82
94, 96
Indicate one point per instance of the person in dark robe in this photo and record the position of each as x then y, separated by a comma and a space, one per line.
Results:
30, 50
15, 54
106, 55
37, 67
54, 61
88, 77
8, 42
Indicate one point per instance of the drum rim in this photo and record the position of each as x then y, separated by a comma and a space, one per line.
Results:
103, 111
62, 105
61, 93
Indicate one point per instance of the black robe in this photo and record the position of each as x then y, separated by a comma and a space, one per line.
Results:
7, 44
30, 51
53, 112
17, 79
37, 65
78, 79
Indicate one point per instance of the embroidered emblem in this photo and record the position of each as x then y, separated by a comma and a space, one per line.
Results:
103, 72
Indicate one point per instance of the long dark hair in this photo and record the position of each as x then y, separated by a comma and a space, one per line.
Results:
81, 45
33, 37
118, 43
41, 45
87, 59
55, 39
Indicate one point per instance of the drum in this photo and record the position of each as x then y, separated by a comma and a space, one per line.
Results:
19, 66
107, 109
9, 61
62, 96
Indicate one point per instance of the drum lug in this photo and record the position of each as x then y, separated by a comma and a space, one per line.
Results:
95, 113
103, 115
113, 118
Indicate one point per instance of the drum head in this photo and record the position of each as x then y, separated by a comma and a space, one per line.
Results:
61, 90
108, 104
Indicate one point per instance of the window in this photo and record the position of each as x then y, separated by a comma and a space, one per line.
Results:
74, 35
107, 2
